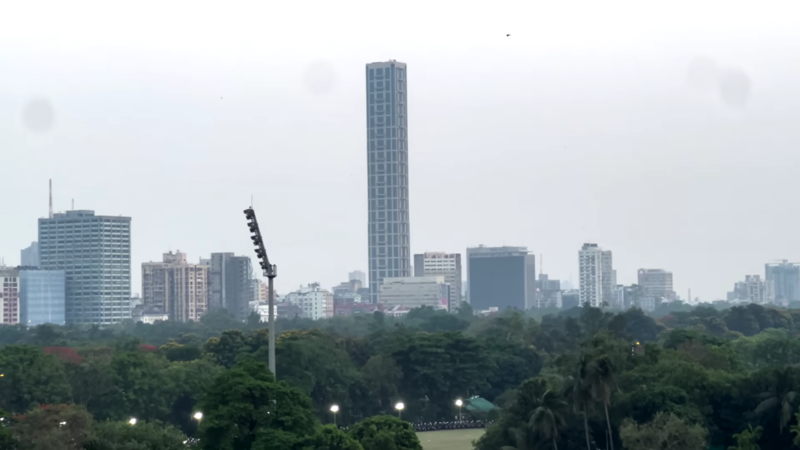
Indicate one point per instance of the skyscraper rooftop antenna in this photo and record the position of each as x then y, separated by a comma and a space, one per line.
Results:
51, 199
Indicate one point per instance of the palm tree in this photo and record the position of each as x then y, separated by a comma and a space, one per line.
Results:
602, 378
548, 418
580, 395
747, 439
780, 399
796, 430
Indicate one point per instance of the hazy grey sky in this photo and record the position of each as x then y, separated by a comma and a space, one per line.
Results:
582, 126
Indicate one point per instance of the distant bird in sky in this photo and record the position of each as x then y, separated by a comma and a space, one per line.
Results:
508, 35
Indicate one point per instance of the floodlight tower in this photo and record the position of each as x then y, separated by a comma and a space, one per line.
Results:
270, 271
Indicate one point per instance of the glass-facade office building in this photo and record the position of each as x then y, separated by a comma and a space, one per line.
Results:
42, 297
501, 277
95, 254
387, 168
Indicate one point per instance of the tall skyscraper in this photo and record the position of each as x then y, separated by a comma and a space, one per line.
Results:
29, 257
597, 278
42, 297
785, 278
447, 265
9, 295
387, 167
175, 287
95, 253
230, 283
501, 277
657, 283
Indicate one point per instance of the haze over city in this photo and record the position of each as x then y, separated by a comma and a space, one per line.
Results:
673, 150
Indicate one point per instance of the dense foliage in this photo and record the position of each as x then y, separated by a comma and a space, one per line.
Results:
703, 377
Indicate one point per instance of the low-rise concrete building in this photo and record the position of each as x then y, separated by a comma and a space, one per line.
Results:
415, 292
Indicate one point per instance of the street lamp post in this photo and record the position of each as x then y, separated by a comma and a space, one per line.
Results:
334, 410
459, 403
399, 407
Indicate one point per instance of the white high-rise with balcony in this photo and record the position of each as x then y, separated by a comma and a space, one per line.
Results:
315, 302
596, 275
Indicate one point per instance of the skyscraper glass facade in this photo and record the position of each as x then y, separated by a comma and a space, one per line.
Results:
387, 167
501, 277
95, 253
42, 297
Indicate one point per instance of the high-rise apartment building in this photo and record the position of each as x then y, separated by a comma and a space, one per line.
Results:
415, 292
501, 277
216, 279
42, 297
314, 302
95, 253
785, 277
387, 173
597, 278
548, 292
9, 295
261, 291
753, 290
656, 283
29, 257
447, 265
175, 287
230, 283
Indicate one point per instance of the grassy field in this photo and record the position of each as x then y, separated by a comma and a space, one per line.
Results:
449, 439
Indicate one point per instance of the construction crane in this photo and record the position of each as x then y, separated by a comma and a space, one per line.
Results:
270, 271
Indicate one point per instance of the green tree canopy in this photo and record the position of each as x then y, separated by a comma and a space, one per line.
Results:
142, 436
30, 377
385, 433
245, 408
53, 427
664, 431
331, 438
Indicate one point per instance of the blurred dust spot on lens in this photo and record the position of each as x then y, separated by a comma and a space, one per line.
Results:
734, 87
320, 78
38, 116
702, 73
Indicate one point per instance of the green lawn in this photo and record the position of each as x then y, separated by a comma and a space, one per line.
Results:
449, 439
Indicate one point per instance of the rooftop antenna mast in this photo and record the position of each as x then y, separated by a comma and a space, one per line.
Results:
270, 271
51, 199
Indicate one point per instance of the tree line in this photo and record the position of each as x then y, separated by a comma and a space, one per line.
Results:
586, 378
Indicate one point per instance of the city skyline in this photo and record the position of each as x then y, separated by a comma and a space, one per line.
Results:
771, 270
482, 145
